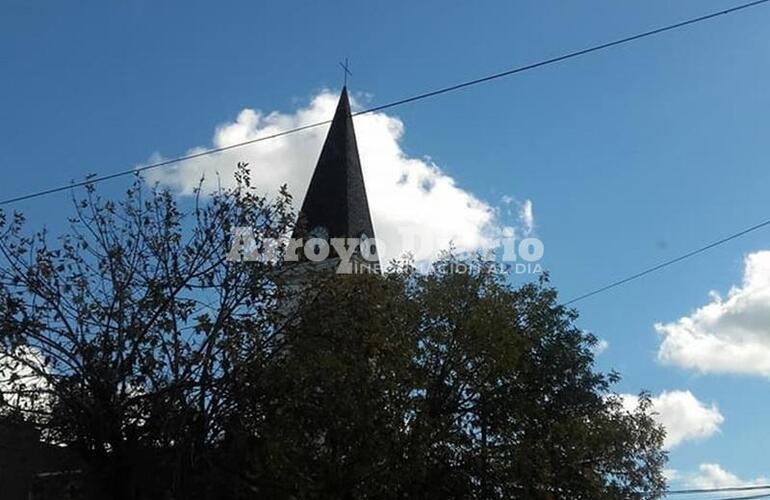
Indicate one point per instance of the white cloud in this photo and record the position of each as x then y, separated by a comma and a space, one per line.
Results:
408, 196
601, 346
682, 415
711, 475
728, 335
527, 217
671, 475
22, 382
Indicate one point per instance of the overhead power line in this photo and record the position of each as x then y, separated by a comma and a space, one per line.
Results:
670, 262
750, 497
96, 178
729, 489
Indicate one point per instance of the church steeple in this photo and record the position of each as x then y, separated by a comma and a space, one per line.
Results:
335, 205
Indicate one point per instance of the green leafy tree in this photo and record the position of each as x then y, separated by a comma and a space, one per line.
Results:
445, 385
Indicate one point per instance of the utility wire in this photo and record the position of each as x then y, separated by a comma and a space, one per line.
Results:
95, 179
570, 55
719, 490
750, 497
670, 262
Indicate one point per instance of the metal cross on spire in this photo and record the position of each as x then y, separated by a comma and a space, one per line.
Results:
346, 68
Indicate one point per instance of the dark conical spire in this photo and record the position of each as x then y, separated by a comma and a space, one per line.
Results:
335, 205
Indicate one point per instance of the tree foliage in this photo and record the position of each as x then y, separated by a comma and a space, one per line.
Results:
176, 373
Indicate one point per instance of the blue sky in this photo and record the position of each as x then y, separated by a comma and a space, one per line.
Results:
630, 156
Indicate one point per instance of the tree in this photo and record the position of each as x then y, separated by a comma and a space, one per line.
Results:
178, 373
129, 325
445, 385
